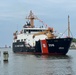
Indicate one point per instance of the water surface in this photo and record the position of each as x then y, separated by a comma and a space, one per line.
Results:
24, 64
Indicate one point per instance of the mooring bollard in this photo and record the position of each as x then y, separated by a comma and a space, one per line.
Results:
5, 55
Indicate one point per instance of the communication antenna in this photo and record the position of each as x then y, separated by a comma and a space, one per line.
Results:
68, 26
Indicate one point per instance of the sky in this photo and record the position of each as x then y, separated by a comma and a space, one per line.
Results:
53, 12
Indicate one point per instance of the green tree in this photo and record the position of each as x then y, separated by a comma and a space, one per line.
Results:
74, 40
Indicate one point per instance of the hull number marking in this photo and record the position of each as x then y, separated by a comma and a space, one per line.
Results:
51, 45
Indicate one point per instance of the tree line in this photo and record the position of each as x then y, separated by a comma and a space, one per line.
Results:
74, 40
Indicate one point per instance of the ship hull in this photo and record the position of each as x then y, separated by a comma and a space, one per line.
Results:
58, 46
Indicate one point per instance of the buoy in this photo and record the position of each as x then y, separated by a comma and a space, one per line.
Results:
5, 55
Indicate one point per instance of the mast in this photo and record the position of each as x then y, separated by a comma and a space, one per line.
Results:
68, 26
31, 17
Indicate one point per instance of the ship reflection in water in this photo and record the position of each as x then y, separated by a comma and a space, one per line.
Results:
24, 64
